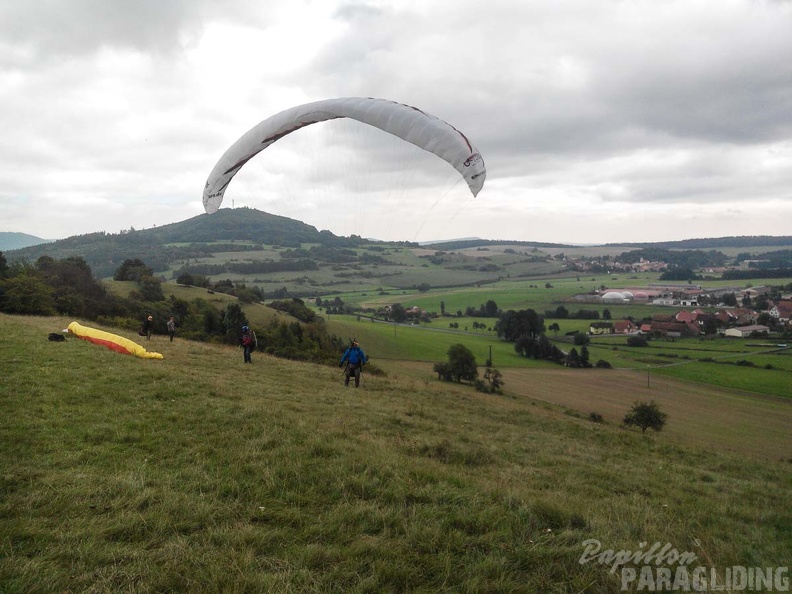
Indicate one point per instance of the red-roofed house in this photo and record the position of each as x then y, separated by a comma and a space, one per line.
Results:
744, 316
675, 329
782, 311
624, 327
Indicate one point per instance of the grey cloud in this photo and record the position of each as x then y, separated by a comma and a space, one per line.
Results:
55, 28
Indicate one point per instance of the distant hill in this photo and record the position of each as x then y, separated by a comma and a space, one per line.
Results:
196, 237
461, 244
15, 241
247, 229
715, 242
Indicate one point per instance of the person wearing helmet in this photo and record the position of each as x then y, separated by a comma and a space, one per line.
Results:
248, 342
355, 360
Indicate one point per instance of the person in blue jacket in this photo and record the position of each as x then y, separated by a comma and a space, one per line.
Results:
355, 360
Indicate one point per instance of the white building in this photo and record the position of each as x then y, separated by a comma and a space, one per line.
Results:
746, 331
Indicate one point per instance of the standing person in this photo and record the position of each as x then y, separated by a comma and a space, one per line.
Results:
171, 328
248, 342
355, 360
148, 327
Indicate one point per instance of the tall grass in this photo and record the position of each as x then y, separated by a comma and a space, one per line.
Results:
198, 473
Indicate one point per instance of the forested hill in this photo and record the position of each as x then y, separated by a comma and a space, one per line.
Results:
743, 241
195, 237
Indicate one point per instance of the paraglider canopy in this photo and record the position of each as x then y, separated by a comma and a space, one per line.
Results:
408, 123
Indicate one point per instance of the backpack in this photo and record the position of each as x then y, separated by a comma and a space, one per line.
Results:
247, 339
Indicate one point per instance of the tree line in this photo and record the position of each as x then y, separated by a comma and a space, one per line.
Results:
67, 287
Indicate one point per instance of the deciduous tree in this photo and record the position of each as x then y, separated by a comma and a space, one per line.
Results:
462, 363
646, 416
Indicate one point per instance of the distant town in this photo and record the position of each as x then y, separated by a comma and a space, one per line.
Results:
739, 312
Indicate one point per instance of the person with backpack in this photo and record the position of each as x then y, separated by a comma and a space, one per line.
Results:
147, 327
355, 359
248, 342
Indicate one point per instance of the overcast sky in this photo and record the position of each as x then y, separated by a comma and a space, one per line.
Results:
622, 120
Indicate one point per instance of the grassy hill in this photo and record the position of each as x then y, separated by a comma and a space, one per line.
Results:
198, 473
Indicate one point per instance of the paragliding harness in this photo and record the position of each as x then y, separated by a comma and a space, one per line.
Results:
145, 327
249, 340
353, 369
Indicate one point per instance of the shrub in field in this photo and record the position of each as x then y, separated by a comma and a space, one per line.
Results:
637, 341
580, 339
493, 381
646, 416
443, 371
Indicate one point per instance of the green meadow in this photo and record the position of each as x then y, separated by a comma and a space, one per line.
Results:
731, 363
427, 343
198, 473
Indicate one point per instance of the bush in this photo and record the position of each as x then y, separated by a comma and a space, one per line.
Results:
580, 339
637, 341
602, 364
646, 416
494, 381
443, 371
596, 418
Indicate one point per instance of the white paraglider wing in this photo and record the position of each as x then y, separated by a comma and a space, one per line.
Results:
408, 123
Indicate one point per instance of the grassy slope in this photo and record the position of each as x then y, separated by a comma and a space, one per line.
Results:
258, 315
199, 473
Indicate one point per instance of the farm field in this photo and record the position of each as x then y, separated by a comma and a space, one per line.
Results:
198, 473
512, 293
425, 343
713, 417
680, 359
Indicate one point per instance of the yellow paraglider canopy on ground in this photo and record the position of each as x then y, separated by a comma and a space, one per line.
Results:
111, 341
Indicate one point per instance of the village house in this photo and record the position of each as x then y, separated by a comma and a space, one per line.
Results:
686, 316
675, 329
601, 328
782, 311
744, 316
624, 327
